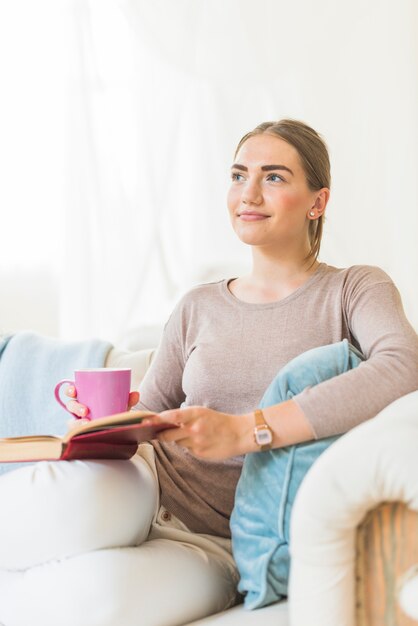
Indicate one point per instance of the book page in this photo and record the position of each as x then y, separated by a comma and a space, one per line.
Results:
111, 421
32, 448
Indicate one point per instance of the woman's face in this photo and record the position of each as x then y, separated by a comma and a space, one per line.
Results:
269, 199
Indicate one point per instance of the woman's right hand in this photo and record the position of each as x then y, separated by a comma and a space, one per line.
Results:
74, 407
81, 411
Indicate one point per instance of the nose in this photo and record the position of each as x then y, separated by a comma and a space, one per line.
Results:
251, 193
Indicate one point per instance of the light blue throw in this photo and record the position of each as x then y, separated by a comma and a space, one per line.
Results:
269, 481
30, 367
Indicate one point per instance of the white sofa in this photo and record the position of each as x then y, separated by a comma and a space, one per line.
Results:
374, 463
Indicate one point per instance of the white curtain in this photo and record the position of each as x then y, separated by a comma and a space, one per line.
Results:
160, 93
34, 42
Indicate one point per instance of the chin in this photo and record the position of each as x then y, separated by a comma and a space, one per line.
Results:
251, 239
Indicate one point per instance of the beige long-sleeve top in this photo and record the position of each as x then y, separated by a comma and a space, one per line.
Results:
220, 352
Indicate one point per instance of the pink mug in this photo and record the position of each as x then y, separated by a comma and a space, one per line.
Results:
103, 390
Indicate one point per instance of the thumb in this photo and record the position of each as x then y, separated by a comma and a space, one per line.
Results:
133, 399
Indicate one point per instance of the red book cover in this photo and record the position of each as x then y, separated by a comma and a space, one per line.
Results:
112, 437
116, 443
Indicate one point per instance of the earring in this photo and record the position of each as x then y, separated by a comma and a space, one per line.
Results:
312, 213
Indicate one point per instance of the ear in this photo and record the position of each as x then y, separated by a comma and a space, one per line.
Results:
321, 202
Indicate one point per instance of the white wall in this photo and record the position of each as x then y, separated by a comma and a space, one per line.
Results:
29, 301
34, 82
115, 160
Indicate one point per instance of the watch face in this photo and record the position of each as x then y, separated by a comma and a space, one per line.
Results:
263, 436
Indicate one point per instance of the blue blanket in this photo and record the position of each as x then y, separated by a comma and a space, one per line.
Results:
266, 490
30, 367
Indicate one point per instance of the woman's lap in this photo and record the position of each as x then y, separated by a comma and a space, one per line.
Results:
53, 510
85, 541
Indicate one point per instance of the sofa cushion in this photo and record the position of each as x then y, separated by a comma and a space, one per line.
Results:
269, 481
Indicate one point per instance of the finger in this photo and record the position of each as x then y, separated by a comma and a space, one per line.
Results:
169, 436
161, 418
77, 409
174, 416
179, 416
133, 399
72, 423
70, 391
173, 434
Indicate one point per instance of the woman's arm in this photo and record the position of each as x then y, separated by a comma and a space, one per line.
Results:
215, 435
375, 316
161, 387
377, 322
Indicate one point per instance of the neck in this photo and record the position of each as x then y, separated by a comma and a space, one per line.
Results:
273, 277
280, 267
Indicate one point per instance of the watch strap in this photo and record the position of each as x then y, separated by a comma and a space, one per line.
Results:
259, 418
260, 424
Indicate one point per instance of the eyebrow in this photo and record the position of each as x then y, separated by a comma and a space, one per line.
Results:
265, 168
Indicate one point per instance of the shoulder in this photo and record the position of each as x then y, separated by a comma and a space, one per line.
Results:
359, 282
366, 283
358, 276
365, 277
202, 294
196, 301
369, 273
193, 311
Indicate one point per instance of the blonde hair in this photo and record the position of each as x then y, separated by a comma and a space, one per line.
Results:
313, 153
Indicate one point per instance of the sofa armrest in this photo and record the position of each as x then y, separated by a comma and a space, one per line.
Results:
386, 548
374, 463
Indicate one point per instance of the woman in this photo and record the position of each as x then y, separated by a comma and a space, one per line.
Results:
221, 348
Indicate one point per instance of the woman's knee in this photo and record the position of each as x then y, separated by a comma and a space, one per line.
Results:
85, 589
52, 510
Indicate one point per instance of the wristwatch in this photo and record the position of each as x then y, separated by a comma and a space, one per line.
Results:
263, 435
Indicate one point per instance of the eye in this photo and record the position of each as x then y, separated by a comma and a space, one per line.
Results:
235, 176
275, 178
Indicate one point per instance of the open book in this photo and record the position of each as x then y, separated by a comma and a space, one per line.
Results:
113, 437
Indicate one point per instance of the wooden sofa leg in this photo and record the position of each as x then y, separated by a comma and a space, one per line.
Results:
386, 547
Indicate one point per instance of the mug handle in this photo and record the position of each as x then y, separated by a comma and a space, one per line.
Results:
57, 394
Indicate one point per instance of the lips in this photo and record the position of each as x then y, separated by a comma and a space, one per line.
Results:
252, 216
